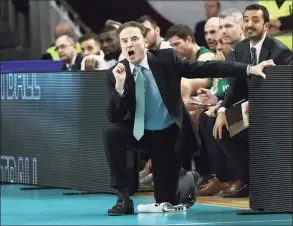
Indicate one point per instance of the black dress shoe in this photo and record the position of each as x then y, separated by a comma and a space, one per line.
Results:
122, 207
242, 192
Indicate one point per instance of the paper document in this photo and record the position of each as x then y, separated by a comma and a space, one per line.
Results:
244, 109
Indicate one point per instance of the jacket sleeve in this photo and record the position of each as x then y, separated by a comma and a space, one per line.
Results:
209, 69
116, 110
286, 22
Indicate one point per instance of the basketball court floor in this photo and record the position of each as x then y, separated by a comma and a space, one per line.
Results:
51, 207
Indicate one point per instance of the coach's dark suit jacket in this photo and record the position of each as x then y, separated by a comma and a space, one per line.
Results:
271, 49
167, 69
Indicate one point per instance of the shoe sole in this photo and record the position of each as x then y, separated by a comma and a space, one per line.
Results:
122, 214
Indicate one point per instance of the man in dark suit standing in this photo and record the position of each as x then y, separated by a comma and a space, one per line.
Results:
146, 110
256, 48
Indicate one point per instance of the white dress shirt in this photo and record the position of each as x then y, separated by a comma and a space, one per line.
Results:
258, 46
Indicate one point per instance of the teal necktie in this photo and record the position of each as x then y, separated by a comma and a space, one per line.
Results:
138, 129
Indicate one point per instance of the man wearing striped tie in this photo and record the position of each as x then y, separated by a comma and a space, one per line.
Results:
146, 111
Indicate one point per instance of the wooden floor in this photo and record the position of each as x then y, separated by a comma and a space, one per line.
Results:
242, 203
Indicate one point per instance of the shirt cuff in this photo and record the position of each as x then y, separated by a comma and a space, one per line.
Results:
120, 91
247, 69
222, 109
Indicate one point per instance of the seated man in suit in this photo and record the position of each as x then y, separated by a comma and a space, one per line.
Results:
146, 111
256, 48
66, 48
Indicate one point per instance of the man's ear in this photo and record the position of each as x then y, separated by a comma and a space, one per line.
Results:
189, 39
146, 42
267, 26
158, 30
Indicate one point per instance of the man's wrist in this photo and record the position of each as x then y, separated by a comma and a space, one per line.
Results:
248, 71
120, 91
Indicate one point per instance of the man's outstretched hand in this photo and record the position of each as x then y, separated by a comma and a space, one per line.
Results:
258, 69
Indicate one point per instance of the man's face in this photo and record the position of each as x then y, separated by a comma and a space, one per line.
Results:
133, 44
230, 30
183, 48
152, 34
109, 42
90, 47
65, 48
223, 48
210, 31
211, 9
254, 26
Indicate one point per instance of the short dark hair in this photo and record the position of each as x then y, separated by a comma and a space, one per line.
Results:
181, 31
133, 24
265, 12
108, 28
89, 36
145, 18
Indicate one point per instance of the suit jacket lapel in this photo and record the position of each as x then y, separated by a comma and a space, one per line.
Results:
265, 49
246, 56
159, 75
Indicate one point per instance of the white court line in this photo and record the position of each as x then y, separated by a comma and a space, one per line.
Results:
234, 222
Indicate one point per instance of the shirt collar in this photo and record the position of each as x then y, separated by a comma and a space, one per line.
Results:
259, 44
72, 62
144, 63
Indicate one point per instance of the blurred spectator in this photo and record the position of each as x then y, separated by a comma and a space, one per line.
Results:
90, 44
65, 46
93, 57
155, 41
110, 45
62, 28
212, 9
211, 29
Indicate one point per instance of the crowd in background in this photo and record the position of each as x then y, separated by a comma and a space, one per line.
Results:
226, 34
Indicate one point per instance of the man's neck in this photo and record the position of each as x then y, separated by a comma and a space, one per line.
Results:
232, 45
111, 56
194, 51
256, 40
72, 60
157, 44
